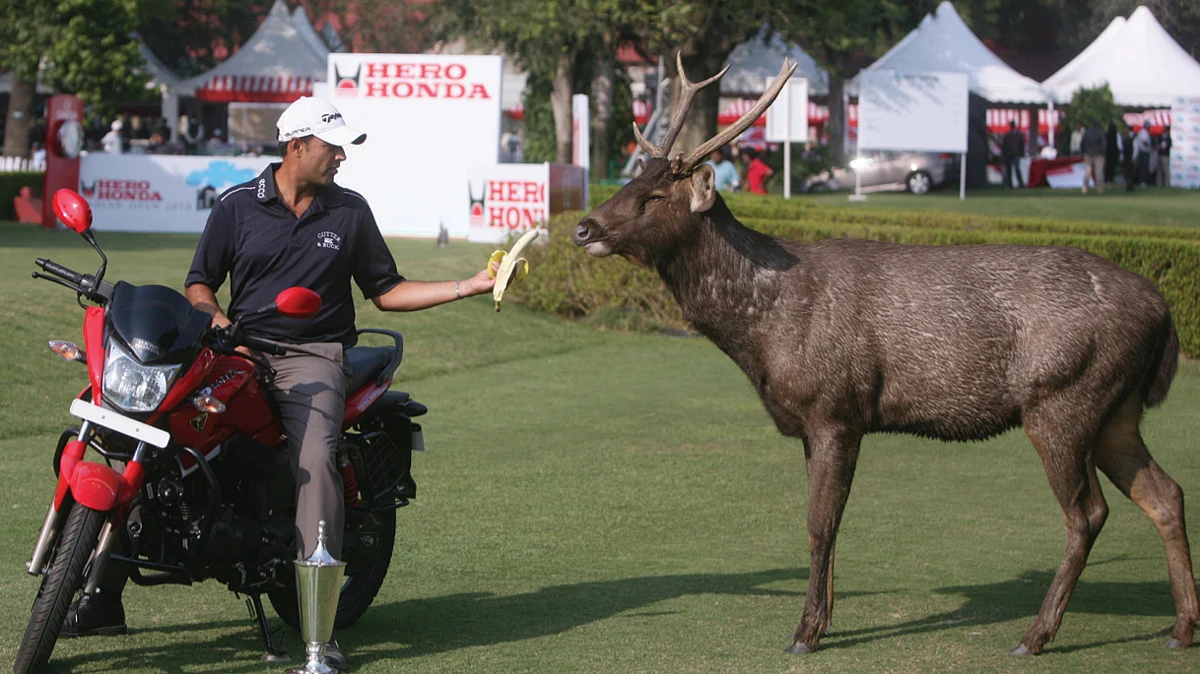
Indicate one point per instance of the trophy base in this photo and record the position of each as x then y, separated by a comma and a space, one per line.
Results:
316, 667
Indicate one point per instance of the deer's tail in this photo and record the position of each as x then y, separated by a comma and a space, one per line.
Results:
1164, 371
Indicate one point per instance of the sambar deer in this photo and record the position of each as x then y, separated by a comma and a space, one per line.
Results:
847, 337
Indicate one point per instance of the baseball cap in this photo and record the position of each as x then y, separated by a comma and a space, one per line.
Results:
310, 116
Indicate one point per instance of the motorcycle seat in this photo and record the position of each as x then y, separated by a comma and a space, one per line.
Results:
365, 363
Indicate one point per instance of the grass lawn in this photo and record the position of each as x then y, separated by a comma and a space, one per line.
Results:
604, 502
1152, 206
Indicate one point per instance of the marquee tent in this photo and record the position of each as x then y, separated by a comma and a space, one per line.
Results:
278, 64
944, 43
755, 62
1142, 64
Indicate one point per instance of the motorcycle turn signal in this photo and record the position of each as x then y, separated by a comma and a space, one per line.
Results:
206, 403
68, 350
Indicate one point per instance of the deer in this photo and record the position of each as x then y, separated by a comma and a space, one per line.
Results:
845, 337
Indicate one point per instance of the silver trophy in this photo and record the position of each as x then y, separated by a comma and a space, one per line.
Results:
319, 584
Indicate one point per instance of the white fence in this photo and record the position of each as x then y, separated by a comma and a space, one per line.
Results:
14, 164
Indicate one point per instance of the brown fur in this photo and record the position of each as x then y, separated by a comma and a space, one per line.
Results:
847, 337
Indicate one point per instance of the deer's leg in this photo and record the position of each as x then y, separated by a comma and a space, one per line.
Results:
831, 458
1125, 460
1073, 480
829, 592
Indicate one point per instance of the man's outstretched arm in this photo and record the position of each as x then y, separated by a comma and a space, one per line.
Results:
417, 295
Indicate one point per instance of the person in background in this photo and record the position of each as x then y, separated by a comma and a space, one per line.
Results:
1093, 147
726, 175
1164, 158
112, 141
216, 144
757, 172
1127, 161
37, 156
1073, 147
1143, 147
1012, 148
1112, 152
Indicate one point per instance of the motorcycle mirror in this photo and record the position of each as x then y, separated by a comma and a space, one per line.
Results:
73, 210
297, 302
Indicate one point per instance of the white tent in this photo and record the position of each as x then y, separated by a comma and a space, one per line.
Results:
1142, 65
944, 43
755, 62
278, 64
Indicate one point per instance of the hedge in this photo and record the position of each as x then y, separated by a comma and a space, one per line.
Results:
569, 282
10, 187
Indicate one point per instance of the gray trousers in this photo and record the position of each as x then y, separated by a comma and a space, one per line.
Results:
310, 390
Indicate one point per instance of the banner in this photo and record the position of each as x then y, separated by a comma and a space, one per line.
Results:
794, 97
912, 111
507, 198
429, 118
159, 193
1185, 142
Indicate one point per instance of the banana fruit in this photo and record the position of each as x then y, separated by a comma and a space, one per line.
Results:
512, 268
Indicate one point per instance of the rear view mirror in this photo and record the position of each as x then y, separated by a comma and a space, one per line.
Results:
297, 302
73, 210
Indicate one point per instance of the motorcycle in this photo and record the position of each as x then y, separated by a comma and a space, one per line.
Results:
195, 481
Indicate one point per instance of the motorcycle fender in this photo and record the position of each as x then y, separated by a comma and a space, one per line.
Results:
96, 486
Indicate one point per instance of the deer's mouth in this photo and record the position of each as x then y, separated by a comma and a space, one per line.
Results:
592, 237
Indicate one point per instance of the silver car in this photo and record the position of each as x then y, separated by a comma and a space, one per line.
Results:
917, 172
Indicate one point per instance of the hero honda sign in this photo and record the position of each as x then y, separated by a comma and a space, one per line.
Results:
507, 198
429, 118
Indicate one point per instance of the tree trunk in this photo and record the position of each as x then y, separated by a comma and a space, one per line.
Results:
837, 120
701, 122
560, 100
602, 102
20, 117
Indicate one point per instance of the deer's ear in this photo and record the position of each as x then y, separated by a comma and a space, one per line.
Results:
703, 188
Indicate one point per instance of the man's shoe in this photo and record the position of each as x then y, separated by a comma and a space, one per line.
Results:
333, 655
94, 615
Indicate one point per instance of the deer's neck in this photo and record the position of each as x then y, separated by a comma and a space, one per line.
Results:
728, 279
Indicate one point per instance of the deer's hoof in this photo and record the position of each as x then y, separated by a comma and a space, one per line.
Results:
1020, 651
1175, 643
799, 648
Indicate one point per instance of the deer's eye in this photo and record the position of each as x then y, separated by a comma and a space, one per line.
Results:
652, 198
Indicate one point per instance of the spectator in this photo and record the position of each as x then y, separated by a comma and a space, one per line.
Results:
191, 133
1112, 152
216, 144
112, 141
1012, 148
37, 156
1127, 160
1142, 149
726, 175
1093, 147
1074, 148
757, 172
1164, 158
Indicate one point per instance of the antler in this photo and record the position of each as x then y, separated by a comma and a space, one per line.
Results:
687, 92
734, 130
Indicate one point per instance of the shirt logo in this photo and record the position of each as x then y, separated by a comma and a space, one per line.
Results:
329, 240
262, 188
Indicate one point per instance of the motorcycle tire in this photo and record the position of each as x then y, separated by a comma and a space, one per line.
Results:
59, 586
358, 589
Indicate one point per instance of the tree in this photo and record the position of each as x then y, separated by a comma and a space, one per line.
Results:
84, 47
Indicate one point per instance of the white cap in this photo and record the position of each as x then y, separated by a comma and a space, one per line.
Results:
310, 116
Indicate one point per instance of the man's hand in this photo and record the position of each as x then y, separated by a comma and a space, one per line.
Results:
481, 282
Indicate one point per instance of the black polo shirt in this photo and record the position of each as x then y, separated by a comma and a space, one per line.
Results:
253, 238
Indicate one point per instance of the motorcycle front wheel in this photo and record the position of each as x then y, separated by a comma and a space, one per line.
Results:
366, 568
63, 579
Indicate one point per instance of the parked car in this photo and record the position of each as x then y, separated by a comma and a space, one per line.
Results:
917, 172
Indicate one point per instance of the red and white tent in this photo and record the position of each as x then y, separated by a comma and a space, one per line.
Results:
278, 64
817, 114
641, 111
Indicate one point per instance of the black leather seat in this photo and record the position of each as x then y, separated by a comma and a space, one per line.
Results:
366, 362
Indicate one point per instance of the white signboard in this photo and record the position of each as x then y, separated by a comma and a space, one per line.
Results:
1185, 142
507, 198
912, 111
792, 103
429, 119
159, 193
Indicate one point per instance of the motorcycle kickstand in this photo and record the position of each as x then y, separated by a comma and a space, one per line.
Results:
273, 654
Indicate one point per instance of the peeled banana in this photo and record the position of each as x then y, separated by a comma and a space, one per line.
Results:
512, 268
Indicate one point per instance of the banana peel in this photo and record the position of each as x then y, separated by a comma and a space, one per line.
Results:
512, 268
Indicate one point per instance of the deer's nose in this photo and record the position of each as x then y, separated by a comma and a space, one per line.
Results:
583, 231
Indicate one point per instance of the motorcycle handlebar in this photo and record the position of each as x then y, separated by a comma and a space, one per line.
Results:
262, 345
59, 270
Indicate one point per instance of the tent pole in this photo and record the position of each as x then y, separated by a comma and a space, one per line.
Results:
1050, 122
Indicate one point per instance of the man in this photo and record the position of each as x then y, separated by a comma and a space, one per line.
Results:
216, 143
1012, 148
1164, 158
1142, 149
757, 172
725, 173
112, 141
292, 225
1093, 147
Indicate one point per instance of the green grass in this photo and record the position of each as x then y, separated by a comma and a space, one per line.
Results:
1153, 206
604, 502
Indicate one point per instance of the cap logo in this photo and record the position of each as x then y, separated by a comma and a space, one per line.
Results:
329, 117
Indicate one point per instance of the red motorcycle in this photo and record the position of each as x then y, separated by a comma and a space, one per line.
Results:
195, 481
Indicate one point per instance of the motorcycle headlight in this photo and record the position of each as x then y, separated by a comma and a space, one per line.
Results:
132, 386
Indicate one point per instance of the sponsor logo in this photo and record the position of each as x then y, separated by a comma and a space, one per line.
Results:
120, 190
145, 346
330, 116
375, 79
329, 240
477, 205
262, 188
207, 390
509, 204
198, 421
